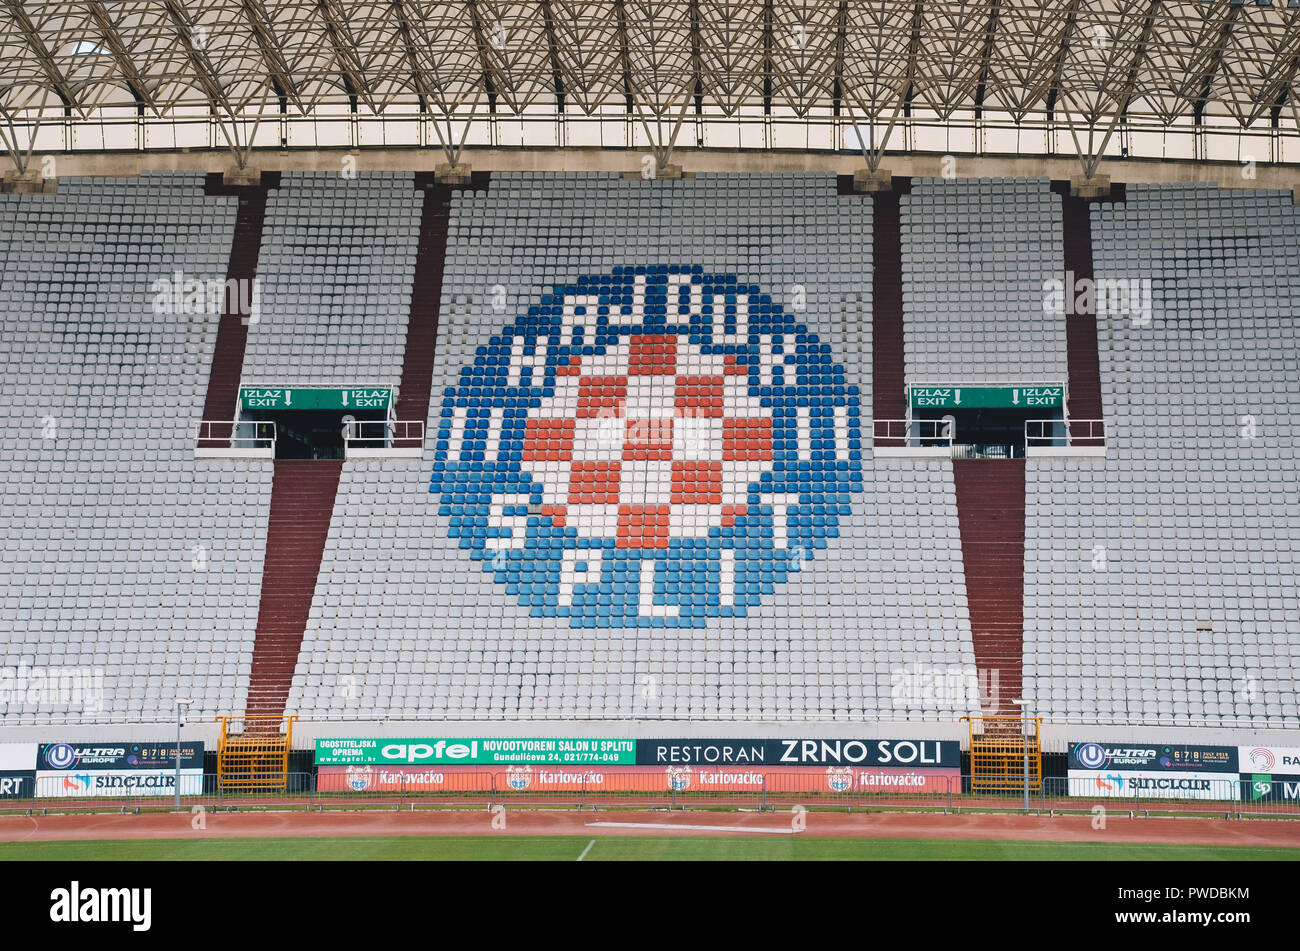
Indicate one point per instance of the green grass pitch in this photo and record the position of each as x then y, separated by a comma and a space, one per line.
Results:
612, 848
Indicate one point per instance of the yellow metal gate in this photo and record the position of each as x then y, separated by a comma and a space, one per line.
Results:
1001, 748
253, 754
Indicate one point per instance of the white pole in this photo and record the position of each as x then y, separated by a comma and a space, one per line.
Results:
179, 705
177, 803
1024, 745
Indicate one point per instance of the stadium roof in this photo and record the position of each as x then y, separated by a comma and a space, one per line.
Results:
1086, 66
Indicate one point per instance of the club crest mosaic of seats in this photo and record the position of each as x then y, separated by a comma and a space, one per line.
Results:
652, 447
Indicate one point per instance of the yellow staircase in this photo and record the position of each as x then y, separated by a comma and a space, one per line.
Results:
253, 754
999, 749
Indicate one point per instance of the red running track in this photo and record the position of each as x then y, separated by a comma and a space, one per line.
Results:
575, 822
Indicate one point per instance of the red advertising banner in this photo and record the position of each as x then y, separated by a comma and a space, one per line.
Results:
802, 779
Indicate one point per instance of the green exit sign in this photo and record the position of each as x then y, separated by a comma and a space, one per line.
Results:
1026, 396
315, 397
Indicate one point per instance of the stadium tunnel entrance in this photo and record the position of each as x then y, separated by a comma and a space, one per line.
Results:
983, 421
318, 422
314, 434
988, 433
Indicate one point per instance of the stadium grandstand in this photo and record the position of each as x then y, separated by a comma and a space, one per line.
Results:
858, 370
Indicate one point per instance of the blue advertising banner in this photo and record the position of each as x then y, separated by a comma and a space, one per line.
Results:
74, 770
17, 770
91, 757
1136, 757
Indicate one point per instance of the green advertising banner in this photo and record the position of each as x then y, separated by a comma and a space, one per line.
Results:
1031, 396
475, 750
315, 398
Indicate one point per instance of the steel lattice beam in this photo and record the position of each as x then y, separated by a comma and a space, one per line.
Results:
36, 45
1139, 58
624, 54
198, 60
871, 60
697, 62
1090, 158
1282, 74
117, 49
900, 106
986, 58
1053, 85
493, 81
553, 54
345, 50
269, 47
227, 119
406, 27
841, 43
1201, 82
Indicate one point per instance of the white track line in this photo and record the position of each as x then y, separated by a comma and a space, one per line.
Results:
678, 826
586, 850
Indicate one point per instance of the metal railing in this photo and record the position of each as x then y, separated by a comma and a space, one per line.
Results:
375, 436
402, 125
1044, 432
1065, 432
987, 451
318, 385
235, 437
912, 432
1058, 722
982, 384
683, 788
1087, 432
936, 436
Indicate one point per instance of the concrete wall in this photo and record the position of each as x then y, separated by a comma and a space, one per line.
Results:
928, 164
1056, 736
